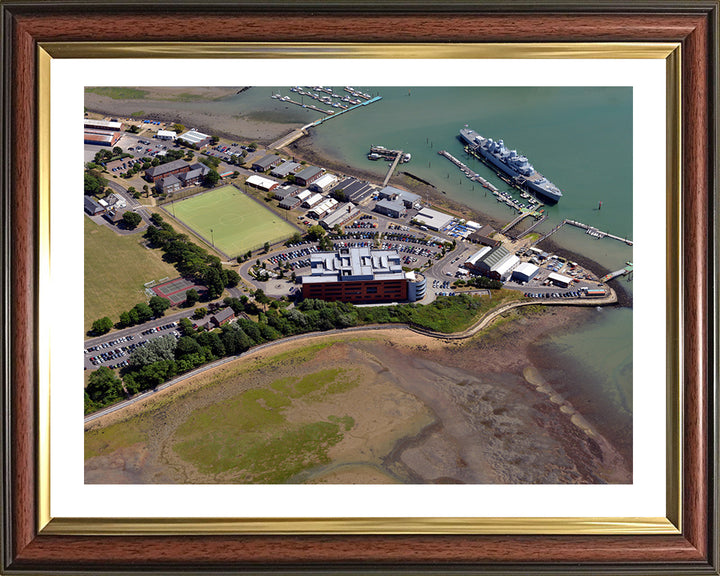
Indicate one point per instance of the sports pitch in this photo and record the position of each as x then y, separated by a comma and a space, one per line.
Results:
238, 223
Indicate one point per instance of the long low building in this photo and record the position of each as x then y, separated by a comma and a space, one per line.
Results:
285, 169
361, 275
355, 191
559, 279
101, 137
262, 183
433, 219
107, 125
341, 215
323, 208
155, 173
166, 135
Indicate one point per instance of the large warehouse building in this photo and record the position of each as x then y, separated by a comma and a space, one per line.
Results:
361, 275
197, 139
497, 263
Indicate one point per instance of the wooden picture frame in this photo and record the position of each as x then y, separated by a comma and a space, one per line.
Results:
28, 547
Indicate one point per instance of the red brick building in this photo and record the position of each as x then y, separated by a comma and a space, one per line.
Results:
360, 275
164, 170
361, 291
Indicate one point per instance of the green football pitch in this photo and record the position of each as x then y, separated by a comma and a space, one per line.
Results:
232, 220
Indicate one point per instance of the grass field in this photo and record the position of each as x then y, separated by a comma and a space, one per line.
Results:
116, 267
238, 223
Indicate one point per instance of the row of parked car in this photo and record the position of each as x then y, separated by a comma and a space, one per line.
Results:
109, 344
159, 328
292, 255
409, 249
573, 294
409, 238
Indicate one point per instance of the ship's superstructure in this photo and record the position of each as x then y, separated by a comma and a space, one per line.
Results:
511, 164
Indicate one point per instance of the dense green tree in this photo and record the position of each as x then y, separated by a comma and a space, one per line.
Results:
125, 320
316, 232
144, 312
131, 219
104, 386
152, 375
179, 128
94, 182
210, 161
156, 218
212, 178
200, 313
187, 345
191, 297
339, 195
157, 349
90, 406
261, 297
186, 327
133, 129
232, 278
212, 341
158, 305
102, 156
102, 326
117, 151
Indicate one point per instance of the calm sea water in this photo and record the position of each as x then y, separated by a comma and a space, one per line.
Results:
579, 138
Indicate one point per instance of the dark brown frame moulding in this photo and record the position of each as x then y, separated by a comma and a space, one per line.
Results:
28, 24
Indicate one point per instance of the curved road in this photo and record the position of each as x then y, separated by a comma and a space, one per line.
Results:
483, 322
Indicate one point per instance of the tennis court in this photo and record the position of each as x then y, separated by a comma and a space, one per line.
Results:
234, 222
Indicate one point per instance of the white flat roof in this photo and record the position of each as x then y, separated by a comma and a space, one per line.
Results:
433, 218
559, 277
325, 180
193, 136
104, 123
527, 269
261, 182
167, 134
314, 199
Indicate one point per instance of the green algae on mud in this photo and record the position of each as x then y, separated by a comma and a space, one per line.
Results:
249, 436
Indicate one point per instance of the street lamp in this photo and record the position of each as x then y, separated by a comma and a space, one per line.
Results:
212, 236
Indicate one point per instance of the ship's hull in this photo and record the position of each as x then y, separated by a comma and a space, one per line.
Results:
470, 137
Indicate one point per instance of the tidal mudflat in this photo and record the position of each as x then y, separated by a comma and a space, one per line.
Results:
387, 406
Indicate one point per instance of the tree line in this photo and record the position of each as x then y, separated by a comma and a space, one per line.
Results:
189, 259
163, 358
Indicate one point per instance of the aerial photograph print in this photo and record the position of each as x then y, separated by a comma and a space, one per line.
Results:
358, 285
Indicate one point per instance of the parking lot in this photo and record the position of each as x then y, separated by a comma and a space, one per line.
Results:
114, 353
298, 256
